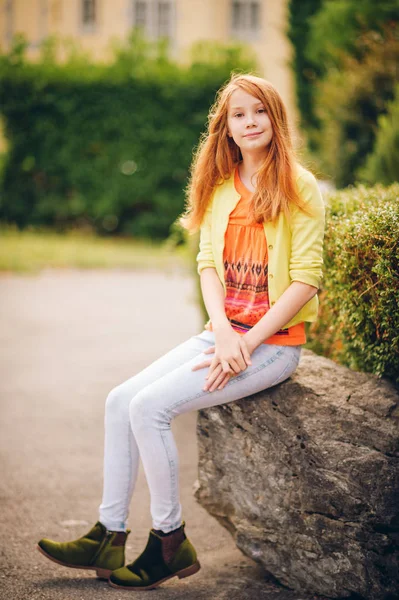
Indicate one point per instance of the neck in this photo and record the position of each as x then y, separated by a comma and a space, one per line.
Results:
250, 164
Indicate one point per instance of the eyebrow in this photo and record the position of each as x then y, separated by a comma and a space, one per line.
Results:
237, 107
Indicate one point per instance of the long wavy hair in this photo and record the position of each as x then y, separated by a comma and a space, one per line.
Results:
217, 155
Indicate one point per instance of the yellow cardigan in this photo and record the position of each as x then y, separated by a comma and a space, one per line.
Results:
295, 251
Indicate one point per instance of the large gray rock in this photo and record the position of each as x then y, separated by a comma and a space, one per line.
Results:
305, 476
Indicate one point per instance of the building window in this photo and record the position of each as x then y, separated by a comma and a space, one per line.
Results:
254, 19
245, 18
140, 14
43, 19
89, 16
164, 19
154, 17
56, 12
9, 22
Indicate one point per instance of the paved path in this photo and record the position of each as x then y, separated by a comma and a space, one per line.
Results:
67, 337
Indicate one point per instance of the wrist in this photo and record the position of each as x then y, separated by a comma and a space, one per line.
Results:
220, 324
251, 343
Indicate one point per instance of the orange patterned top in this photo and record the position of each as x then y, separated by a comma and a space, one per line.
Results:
245, 261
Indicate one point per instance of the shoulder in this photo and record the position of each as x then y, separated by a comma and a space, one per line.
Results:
308, 186
224, 189
303, 176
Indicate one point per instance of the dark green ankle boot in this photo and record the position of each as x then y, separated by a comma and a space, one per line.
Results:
165, 556
99, 550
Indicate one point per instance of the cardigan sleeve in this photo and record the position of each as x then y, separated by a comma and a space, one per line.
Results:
307, 234
205, 254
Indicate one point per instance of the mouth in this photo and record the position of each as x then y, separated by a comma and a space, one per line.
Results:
253, 134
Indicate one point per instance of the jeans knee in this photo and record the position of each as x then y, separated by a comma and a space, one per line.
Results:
143, 413
117, 404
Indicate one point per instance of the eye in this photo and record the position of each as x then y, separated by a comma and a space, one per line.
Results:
261, 110
238, 114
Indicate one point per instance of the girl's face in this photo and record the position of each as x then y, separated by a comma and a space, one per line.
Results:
248, 123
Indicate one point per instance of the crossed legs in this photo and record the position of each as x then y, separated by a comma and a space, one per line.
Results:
138, 423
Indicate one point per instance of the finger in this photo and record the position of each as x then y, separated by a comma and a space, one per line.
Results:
209, 350
236, 366
215, 373
245, 352
226, 367
224, 382
243, 362
214, 363
217, 381
240, 360
205, 363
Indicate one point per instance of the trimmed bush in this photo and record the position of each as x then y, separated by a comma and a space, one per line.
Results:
358, 323
107, 146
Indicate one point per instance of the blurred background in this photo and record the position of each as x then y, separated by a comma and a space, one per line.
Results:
102, 103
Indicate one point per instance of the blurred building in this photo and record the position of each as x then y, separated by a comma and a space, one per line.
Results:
260, 23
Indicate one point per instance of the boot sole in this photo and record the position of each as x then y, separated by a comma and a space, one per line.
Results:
194, 568
101, 573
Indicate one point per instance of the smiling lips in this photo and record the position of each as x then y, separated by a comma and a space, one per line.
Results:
252, 134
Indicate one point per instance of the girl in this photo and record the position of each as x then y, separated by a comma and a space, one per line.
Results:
261, 221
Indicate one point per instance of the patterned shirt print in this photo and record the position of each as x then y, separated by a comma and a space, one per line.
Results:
245, 259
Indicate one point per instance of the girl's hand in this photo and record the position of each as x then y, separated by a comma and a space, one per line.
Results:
232, 355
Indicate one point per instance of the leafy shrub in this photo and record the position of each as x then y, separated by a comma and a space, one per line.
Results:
345, 67
349, 102
358, 323
105, 145
383, 162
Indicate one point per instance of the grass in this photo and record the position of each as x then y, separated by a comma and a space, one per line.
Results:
30, 251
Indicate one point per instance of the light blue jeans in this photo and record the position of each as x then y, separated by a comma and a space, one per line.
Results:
138, 416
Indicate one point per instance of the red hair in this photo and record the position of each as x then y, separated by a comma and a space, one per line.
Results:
217, 155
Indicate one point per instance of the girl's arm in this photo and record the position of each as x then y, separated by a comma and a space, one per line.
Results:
230, 348
213, 295
305, 272
231, 354
307, 235
286, 307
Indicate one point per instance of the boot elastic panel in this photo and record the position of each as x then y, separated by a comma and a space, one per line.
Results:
97, 532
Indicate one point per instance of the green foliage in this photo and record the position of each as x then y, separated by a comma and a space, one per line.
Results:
358, 324
383, 163
345, 64
336, 30
349, 102
105, 145
304, 68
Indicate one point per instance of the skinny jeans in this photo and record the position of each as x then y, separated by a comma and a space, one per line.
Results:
138, 415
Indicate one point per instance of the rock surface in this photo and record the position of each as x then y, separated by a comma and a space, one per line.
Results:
305, 476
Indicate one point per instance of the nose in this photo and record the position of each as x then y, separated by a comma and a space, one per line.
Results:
250, 120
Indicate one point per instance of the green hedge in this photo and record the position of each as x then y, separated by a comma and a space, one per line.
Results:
358, 323
107, 146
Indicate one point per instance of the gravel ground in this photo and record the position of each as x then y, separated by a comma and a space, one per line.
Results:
67, 337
